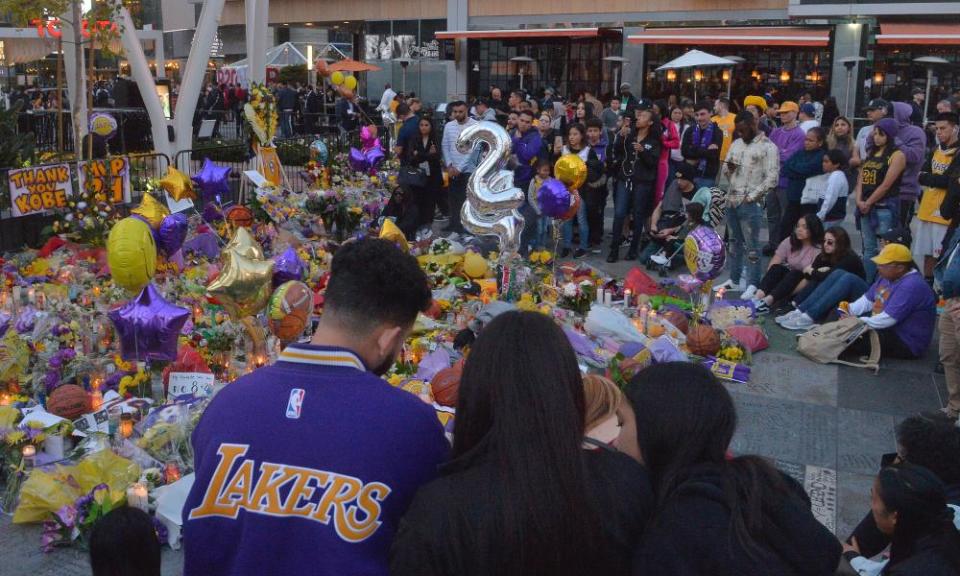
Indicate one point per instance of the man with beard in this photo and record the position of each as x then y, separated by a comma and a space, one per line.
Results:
317, 458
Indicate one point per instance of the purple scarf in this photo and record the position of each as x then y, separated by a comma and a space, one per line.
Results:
702, 139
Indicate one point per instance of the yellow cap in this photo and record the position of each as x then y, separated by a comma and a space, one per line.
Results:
788, 106
758, 101
893, 253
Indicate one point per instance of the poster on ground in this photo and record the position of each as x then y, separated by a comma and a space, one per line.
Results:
36, 189
109, 175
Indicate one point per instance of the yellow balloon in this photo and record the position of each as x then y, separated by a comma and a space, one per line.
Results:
154, 212
244, 285
390, 232
571, 170
337, 78
131, 254
243, 243
177, 185
350, 82
474, 265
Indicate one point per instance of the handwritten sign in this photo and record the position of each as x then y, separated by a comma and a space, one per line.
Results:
96, 422
109, 176
198, 384
37, 189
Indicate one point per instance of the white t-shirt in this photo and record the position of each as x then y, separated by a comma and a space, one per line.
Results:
806, 125
836, 191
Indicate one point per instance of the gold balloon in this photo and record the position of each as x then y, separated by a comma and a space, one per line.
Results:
571, 170
178, 185
153, 211
244, 245
337, 78
475, 265
131, 254
244, 285
390, 232
350, 82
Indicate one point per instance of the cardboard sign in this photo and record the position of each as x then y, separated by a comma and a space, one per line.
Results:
186, 383
37, 189
95, 422
108, 175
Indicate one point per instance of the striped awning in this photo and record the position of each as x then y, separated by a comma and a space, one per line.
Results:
525, 33
898, 33
732, 36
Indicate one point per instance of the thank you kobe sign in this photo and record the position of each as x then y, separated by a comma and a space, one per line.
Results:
37, 189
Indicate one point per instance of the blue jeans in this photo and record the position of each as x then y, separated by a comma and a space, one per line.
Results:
286, 123
839, 286
878, 222
544, 238
744, 222
531, 226
584, 228
630, 198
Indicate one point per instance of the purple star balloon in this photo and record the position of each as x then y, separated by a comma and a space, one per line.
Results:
148, 326
358, 161
287, 266
172, 233
212, 180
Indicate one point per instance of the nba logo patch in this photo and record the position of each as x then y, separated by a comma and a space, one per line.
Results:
295, 404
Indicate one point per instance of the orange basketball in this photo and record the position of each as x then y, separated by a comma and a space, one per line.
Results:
69, 401
289, 310
240, 216
678, 319
703, 340
446, 384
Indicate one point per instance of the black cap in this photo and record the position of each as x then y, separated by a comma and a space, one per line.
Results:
877, 104
644, 104
686, 171
898, 236
916, 91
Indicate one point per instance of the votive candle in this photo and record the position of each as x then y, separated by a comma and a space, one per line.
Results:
137, 497
29, 456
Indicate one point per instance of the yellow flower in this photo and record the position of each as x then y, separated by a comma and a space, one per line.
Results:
395, 380
15, 437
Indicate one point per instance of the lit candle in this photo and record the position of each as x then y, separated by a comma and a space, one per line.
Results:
171, 472
721, 292
32, 295
607, 297
96, 400
96, 291
29, 456
5, 400
643, 317
137, 497
652, 319
126, 425
626, 297
41, 300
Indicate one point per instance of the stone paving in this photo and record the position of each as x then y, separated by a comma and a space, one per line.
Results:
826, 425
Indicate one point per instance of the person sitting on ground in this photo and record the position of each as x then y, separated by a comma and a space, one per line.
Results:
602, 422
832, 206
665, 249
403, 210
836, 257
909, 506
521, 495
929, 442
716, 514
900, 306
125, 542
786, 269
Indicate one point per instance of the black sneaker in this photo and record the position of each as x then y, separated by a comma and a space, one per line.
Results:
613, 256
579, 253
626, 243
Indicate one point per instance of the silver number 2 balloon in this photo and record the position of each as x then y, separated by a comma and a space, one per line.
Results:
491, 208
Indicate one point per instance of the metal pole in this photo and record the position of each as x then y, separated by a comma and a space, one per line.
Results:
926, 98
729, 83
846, 102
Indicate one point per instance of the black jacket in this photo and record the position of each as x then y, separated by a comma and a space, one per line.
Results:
645, 163
852, 263
415, 153
872, 542
692, 535
927, 559
693, 153
456, 509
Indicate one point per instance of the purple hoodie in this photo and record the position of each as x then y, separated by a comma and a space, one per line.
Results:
789, 142
912, 141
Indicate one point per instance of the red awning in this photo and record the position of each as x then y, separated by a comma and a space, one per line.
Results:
768, 36
919, 34
526, 33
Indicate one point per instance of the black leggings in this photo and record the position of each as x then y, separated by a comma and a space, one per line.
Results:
780, 281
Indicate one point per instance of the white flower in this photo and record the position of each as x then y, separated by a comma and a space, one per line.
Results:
570, 290
81, 205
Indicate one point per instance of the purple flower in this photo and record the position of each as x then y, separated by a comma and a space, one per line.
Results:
51, 380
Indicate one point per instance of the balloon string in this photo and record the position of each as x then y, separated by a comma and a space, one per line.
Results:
556, 249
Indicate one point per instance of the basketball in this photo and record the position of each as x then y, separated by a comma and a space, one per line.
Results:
289, 310
703, 340
69, 401
240, 216
678, 319
446, 384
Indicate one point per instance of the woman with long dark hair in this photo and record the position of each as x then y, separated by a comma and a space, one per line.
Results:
421, 152
785, 271
910, 506
715, 515
520, 495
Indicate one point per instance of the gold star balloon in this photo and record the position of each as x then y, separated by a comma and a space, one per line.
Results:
244, 284
244, 244
178, 185
152, 211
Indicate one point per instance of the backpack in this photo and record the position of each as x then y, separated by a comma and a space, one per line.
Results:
825, 343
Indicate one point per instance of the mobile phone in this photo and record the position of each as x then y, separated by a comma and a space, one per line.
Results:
558, 142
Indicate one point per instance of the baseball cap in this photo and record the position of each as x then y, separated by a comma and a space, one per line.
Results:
916, 91
893, 253
788, 106
877, 104
809, 109
644, 104
898, 236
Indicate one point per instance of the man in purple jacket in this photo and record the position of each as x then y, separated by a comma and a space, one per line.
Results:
527, 147
789, 138
912, 141
306, 466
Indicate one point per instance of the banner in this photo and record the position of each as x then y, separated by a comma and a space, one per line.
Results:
111, 176
37, 189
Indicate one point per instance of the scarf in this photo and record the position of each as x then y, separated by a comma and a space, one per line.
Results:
702, 139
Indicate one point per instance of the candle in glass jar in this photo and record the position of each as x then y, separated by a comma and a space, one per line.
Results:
29, 456
126, 425
171, 472
32, 295
96, 400
627, 294
137, 497
96, 291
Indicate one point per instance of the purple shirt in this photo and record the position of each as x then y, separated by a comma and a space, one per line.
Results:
306, 467
527, 148
910, 302
789, 142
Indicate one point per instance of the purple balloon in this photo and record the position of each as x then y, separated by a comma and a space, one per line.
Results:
172, 233
177, 258
211, 213
358, 161
553, 198
287, 266
205, 244
212, 180
704, 252
374, 157
148, 326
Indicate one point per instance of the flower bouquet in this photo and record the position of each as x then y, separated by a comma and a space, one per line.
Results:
261, 114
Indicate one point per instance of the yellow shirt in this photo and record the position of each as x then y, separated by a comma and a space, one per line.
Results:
929, 210
727, 126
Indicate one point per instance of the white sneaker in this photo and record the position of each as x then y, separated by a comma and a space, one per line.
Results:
788, 316
801, 322
733, 286
749, 293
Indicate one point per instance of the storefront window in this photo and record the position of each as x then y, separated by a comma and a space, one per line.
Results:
893, 73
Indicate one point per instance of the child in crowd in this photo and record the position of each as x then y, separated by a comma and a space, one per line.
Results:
124, 542
665, 250
832, 207
543, 224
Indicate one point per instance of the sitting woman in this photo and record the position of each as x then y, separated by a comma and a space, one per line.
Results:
785, 271
836, 255
716, 514
909, 505
665, 249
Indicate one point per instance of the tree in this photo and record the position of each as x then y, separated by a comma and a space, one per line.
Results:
293, 74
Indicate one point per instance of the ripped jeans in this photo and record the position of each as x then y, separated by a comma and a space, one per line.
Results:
744, 223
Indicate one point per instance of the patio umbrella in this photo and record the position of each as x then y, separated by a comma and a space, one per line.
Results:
351, 65
696, 59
